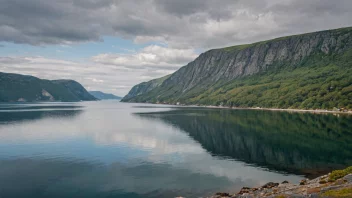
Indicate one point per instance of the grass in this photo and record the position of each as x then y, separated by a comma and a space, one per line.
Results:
337, 174
341, 193
304, 88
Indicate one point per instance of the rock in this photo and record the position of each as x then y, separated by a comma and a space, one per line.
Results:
270, 185
245, 196
221, 194
340, 182
303, 182
244, 190
331, 188
348, 178
322, 181
307, 188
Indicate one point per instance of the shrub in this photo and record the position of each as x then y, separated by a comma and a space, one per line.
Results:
337, 174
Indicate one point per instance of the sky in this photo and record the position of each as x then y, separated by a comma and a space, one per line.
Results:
112, 45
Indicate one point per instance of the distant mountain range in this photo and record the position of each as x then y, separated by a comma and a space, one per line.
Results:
104, 96
307, 71
25, 88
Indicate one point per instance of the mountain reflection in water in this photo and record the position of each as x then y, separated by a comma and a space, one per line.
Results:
111, 149
299, 143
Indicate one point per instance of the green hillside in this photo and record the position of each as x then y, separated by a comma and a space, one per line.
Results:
322, 83
309, 71
23, 88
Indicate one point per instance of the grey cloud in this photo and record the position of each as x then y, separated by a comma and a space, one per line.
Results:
93, 4
183, 7
197, 24
313, 7
214, 9
39, 22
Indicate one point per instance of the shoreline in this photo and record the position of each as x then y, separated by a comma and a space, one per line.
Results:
318, 111
338, 183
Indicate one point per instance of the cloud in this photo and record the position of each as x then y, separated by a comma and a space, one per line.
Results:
153, 56
91, 76
111, 73
183, 27
182, 8
180, 24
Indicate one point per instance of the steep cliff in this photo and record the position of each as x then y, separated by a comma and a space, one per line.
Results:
255, 72
24, 88
144, 87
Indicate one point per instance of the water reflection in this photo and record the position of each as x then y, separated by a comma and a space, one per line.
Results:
10, 113
58, 178
299, 143
110, 149
7, 117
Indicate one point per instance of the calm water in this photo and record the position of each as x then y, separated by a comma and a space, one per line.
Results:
112, 149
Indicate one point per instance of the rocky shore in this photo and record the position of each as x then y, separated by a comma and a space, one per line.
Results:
335, 184
318, 111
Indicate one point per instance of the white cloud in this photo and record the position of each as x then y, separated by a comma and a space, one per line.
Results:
112, 73
151, 56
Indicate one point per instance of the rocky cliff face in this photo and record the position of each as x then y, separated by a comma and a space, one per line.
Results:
238, 61
226, 64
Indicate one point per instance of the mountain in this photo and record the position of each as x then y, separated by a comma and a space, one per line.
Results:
144, 87
307, 71
24, 88
104, 96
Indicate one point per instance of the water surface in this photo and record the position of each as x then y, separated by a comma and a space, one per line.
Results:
112, 149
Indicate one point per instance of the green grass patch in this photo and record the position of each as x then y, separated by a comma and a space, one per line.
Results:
341, 193
337, 174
